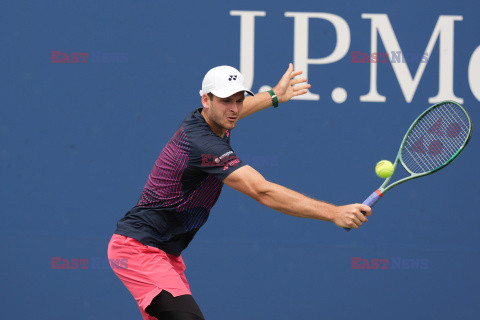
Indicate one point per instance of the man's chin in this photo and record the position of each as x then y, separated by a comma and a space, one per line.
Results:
230, 125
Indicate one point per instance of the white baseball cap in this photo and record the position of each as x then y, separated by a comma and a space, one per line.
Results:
223, 81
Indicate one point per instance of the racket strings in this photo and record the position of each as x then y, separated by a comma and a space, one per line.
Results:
435, 147
436, 138
427, 136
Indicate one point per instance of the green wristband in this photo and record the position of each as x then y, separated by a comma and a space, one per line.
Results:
274, 98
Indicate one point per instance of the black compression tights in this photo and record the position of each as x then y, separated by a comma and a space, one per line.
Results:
167, 307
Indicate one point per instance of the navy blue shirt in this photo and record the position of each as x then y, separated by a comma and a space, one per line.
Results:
183, 186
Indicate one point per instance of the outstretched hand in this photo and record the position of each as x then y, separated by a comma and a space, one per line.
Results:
288, 87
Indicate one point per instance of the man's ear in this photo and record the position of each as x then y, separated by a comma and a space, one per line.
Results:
205, 101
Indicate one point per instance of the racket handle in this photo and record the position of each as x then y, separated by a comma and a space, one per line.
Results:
370, 201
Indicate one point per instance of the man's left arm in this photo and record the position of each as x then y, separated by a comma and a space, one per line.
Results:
287, 88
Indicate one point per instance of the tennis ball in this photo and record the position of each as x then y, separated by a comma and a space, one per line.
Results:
384, 169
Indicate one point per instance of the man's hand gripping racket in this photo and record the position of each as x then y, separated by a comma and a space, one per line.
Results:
433, 141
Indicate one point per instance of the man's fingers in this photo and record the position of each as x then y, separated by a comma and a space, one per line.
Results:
355, 223
301, 87
366, 209
360, 216
297, 81
289, 87
288, 73
299, 93
296, 73
351, 216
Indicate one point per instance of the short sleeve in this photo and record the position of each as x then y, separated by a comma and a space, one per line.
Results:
214, 155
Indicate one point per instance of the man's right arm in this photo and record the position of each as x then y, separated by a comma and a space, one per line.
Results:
250, 182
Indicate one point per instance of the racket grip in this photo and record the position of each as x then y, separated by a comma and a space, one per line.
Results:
370, 201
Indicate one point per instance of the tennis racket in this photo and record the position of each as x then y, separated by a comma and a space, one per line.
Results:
433, 141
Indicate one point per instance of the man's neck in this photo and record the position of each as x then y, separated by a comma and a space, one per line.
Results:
219, 131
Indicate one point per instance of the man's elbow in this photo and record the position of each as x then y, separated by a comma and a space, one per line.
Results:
262, 192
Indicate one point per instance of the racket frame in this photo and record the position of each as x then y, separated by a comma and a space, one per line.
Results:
399, 159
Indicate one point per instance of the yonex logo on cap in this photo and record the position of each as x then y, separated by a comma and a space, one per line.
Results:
232, 77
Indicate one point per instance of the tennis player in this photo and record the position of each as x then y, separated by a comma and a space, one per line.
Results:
185, 183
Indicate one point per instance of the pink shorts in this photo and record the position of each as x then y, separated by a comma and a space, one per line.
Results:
146, 271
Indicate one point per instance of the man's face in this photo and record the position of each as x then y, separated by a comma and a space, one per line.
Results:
222, 113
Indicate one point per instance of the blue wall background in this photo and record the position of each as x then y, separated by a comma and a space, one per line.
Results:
77, 142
